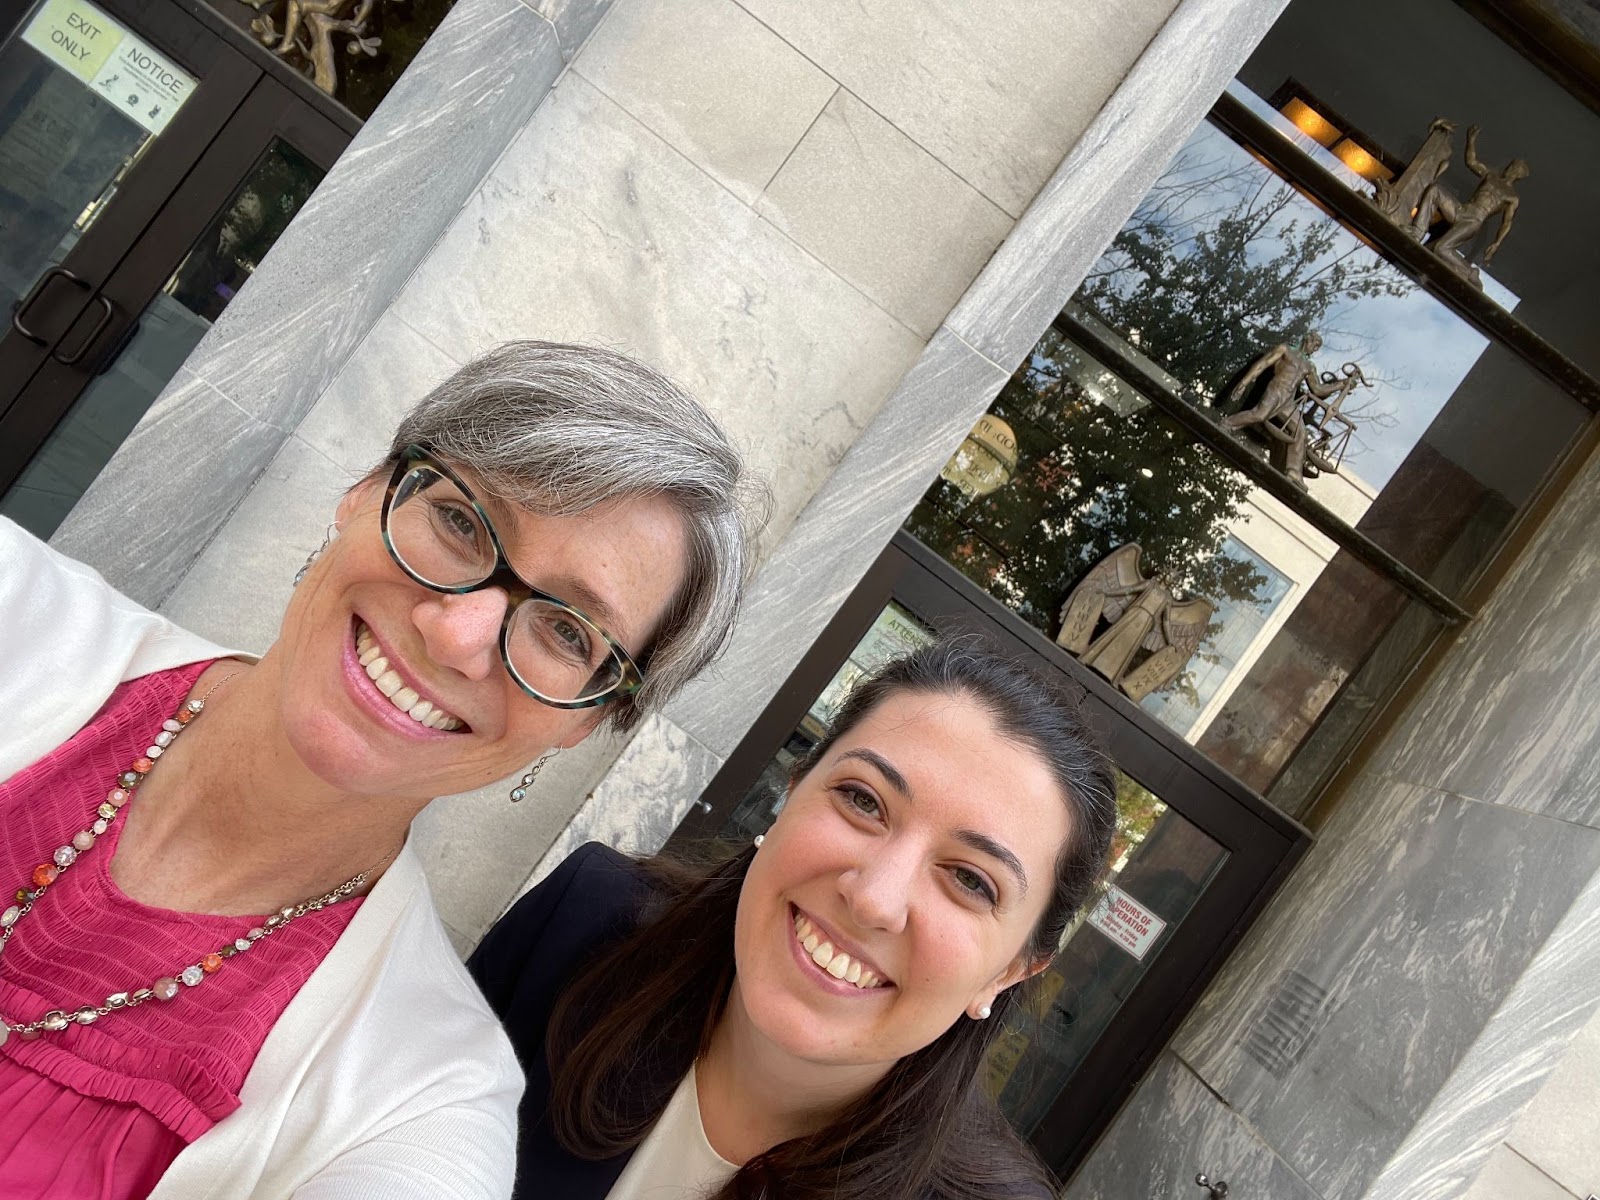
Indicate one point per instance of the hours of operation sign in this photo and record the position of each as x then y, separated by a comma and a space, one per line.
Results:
118, 66
1126, 922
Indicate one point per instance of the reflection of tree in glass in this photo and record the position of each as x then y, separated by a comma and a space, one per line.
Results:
1088, 480
1220, 262
1137, 810
226, 254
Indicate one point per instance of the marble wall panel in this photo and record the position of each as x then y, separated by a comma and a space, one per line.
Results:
1559, 1131
1509, 1176
843, 529
884, 213
180, 472
573, 20
286, 334
638, 249
713, 83
1107, 172
997, 95
1414, 917
644, 797
1172, 1129
1535, 1048
1506, 719
353, 421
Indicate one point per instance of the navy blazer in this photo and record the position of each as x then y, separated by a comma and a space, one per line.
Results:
589, 902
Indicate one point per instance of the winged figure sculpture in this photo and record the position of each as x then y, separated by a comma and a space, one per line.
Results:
1151, 633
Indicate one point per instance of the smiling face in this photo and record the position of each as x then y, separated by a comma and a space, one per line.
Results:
389, 688
922, 848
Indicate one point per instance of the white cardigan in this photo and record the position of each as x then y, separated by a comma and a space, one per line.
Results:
386, 1076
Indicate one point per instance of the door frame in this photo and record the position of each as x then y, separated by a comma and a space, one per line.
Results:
1263, 845
167, 201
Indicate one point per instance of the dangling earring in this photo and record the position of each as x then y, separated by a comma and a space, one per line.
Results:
316, 554
520, 792
760, 837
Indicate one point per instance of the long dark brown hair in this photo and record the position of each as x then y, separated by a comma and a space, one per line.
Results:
630, 1026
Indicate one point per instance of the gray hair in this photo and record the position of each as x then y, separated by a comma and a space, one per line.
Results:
560, 428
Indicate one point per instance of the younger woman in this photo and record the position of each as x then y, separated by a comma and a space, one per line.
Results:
808, 1018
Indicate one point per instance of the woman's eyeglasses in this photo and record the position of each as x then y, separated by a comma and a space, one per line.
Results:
440, 536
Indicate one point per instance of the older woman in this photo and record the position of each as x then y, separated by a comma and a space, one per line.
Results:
222, 974
807, 1019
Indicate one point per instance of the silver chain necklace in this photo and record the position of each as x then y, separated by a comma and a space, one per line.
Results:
166, 988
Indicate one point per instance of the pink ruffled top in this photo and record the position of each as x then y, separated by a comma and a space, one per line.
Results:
99, 1112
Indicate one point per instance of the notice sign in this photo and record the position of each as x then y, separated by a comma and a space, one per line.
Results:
1126, 922
120, 68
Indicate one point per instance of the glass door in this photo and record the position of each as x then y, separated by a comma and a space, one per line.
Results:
1196, 853
98, 125
116, 269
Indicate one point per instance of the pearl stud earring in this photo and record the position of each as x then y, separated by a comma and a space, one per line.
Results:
983, 1013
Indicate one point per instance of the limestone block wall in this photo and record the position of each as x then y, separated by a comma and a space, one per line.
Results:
777, 204
1445, 926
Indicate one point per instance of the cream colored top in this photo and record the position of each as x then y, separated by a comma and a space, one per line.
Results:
676, 1162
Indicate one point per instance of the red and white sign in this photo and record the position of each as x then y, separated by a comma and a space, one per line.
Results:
1126, 922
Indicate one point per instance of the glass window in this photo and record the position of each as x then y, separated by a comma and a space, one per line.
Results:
1387, 71
1305, 640
1435, 437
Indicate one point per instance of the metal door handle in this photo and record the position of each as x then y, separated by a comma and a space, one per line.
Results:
34, 293
111, 355
1218, 1190
106, 314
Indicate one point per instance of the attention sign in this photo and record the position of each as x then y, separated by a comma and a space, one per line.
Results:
118, 66
1126, 922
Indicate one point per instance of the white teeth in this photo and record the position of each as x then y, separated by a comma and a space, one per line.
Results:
835, 962
391, 685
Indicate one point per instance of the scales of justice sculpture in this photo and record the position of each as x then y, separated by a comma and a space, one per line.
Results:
1300, 414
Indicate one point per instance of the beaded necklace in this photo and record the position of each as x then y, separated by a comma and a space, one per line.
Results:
167, 987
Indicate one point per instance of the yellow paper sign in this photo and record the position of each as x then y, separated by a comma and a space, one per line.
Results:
120, 67
74, 35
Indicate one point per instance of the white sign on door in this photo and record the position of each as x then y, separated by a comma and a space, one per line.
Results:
117, 65
1126, 922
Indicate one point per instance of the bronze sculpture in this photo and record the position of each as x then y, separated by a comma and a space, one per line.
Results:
309, 29
1495, 195
1145, 616
1398, 200
1278, 416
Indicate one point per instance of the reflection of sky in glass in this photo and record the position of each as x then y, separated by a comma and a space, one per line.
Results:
1328, 161
1234, 627
1411, 347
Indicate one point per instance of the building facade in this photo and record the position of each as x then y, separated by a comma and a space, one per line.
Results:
1344, 953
